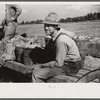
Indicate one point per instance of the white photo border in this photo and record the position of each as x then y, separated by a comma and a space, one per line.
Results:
50, 90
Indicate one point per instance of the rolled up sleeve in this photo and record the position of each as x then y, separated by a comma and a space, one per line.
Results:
61, 51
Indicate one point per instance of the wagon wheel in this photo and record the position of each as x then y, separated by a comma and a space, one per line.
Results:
90, 76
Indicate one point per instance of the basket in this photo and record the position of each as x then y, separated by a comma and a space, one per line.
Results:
22, 55
83, 47
19, 54
26, 57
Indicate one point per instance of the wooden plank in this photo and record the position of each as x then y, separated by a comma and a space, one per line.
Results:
96, 81
93, 75
63, 78
71, 79
81, 72
93, 82
16, 66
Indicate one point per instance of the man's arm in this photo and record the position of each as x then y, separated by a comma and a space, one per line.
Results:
7, 17
18, 9
61, 51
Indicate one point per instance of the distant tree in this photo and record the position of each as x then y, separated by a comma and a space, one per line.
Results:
98, 15
89, 16
27, 22
22, 22
32, 22
85, 18
39, 21
68, 19
95, 16
62, 20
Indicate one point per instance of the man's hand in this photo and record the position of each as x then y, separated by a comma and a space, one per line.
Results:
36, 66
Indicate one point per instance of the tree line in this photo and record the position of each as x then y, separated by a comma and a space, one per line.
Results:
32, 22
88, 17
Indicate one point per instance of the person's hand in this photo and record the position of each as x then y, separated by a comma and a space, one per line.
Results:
36, 66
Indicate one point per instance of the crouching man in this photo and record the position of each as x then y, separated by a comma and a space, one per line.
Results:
67, 57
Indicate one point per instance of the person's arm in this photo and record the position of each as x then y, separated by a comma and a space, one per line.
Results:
3, 22
7, 17
61, 51
18, 10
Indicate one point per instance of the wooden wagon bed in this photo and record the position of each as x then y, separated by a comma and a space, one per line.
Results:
83, 76
25, 70
13, 65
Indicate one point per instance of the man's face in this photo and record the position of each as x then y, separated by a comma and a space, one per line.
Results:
49, 29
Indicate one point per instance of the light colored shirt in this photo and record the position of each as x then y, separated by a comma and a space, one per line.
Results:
65, 49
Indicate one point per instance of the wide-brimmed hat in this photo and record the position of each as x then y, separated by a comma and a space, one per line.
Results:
52, 19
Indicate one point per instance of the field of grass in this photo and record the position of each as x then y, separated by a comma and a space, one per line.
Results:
89, 28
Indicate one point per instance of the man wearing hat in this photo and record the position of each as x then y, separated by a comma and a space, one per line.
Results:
67, 57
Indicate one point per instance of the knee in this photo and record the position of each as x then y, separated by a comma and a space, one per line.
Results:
35, 73
36, 77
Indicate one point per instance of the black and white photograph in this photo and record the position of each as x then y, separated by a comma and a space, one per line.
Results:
49, 42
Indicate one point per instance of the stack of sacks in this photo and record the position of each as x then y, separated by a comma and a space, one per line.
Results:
95, 40
82, 37
35, 42
19, 41
91, 63
32, 43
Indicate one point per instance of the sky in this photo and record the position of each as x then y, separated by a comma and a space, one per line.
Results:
39, 10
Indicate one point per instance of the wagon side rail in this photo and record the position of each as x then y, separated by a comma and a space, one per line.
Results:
83, 76
90, 76
13, 65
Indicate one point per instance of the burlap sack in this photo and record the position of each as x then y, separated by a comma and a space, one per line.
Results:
9, 53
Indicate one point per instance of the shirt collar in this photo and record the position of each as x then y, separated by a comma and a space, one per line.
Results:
55, 35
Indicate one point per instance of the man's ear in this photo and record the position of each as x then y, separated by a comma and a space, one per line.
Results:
58, 27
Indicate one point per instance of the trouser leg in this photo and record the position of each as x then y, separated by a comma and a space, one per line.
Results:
39, 75
43, 74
